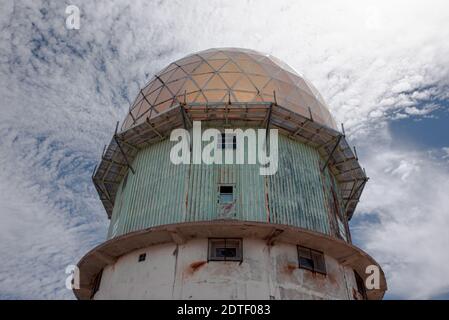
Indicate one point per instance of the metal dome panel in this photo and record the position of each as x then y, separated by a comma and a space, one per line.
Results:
228, 75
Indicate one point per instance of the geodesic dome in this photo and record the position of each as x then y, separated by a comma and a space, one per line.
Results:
228, 75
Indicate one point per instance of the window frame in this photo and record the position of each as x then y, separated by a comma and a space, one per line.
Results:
220, 193
213, 257
223, 142
316, 258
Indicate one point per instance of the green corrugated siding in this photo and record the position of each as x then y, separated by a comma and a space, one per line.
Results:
162, 193
295, 194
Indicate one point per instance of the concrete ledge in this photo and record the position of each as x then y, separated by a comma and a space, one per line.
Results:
108, 252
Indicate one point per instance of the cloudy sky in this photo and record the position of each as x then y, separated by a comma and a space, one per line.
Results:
382, 66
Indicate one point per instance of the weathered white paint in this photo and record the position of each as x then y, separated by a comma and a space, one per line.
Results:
173, 271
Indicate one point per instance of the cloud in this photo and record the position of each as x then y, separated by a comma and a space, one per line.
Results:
62, 92
407, 193
421, 111
446, 150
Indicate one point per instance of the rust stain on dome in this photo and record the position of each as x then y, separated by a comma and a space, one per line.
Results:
226, 75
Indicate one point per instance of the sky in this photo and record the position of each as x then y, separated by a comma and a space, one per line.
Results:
382, 67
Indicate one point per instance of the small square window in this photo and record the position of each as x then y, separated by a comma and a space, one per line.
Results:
225, 250
142, 257
311, 260
226, 194
305, 258
227, 141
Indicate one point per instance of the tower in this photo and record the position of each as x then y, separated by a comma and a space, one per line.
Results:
226, 231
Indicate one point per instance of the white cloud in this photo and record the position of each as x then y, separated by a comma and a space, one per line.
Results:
421, 111
446, 150
62, 91
408, 194
50, 215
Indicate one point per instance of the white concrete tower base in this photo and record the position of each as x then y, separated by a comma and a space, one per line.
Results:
172, 271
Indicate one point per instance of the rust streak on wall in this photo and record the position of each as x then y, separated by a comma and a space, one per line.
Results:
194, 266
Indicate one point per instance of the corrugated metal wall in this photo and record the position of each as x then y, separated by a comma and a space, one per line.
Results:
295, 193
162, 193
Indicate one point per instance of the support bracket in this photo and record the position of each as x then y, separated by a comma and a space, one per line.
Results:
116, 138
274, 234
332, 152
351, 196
267, 127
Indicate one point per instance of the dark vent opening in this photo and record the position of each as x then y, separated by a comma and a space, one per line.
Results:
142, 257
